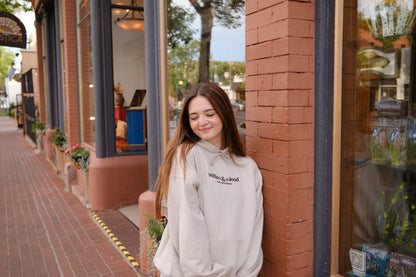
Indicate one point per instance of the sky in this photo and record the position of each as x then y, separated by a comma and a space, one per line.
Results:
28, 19
226, 44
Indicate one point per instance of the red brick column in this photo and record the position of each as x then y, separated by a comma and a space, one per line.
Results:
279, 135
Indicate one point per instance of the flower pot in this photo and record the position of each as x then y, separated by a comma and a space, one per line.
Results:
358, 262
59, 148
39, 132
76, 165
119, 100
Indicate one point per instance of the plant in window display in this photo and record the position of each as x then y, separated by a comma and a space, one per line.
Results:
411, 145
397, 147
396, 220
121, 145
379, 146
119, 95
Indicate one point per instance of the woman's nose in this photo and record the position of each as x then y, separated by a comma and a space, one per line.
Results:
202, 120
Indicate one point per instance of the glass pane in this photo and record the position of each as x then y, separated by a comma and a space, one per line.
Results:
378, 158
86, 83
206, 43
84, 8
129, 76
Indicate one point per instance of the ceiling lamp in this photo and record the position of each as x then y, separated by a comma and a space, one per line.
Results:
129, 21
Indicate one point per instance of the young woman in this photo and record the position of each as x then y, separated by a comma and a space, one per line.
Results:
211, 193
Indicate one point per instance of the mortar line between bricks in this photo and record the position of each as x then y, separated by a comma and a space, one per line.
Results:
60, 209
120, 247
48, 236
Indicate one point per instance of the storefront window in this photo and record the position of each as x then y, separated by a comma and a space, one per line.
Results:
378, 148
206, 43
63, 66
129, 75
86, 95
45, 83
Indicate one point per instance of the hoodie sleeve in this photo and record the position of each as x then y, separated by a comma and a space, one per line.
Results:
254, 261
187, 227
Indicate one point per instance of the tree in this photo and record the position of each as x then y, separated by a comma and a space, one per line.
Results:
179, 29
226, 71
183, 68
11, 6
226, 13
6, 60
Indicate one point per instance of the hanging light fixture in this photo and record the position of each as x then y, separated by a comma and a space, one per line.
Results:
129, 21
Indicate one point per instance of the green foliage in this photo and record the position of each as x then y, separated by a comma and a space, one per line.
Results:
79, 154
219, 69
155, 227
58, 138
11, 6
6, 59
179, 25
228, 13
12, 106
396, 219
151, 237
38, 126
183, 67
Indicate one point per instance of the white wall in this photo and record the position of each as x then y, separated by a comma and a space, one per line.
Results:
128, 61
13, 88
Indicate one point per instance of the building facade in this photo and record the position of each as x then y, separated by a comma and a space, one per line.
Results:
328, 101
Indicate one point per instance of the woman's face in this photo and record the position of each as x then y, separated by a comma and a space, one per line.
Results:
205, 121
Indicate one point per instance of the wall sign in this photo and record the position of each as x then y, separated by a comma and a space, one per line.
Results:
12, 31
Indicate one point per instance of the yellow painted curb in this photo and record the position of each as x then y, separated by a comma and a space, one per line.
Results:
118, 243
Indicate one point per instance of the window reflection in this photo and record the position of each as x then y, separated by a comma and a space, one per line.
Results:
129, 75
85, 74
378, 165
206, 44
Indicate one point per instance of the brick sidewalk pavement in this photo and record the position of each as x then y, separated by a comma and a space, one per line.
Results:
46, 231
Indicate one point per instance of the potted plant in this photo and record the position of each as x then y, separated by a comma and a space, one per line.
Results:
121, 145
152, 235
79, 156
58, 139
411, 145
379, 146
39, 128
119, 95
396, 219
397, 147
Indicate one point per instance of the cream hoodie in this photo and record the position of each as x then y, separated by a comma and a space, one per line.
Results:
215, 216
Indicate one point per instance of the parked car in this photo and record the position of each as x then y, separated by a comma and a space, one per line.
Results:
241, 127
238, 104
391, 108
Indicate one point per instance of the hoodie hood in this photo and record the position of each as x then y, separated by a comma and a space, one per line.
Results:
215, 153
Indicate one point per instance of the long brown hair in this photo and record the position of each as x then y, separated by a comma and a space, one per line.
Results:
186, 138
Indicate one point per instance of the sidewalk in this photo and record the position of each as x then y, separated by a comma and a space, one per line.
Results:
46, 231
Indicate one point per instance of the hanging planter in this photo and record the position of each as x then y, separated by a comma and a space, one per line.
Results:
76, 165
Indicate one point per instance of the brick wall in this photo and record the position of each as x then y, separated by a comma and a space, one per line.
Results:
71, 97
279, 135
